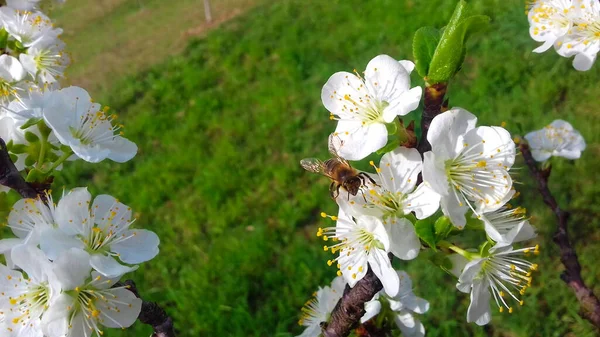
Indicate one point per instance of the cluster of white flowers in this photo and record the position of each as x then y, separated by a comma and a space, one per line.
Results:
571, 26
466, 175
64, 263
69, 253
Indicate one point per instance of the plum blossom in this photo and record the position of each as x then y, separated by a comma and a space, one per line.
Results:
363, 106
24, 299
404, 306
318, 309
549, 20
468, 165
86, 128
364, 243
102, 230
502, 275
557, 139
87, 300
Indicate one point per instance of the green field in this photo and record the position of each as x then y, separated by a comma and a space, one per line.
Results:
222, 127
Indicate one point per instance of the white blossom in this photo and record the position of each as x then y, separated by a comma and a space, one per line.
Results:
404, 306
29, 28
502, 275
318, 309
508, 225
24, 299
468, 165
364, 243
102, 230
82, 125
363, 106
557, 139
88, 301
549, 20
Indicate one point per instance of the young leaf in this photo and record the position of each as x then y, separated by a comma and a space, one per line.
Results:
424, 44
426, 231
450, 53
443, 227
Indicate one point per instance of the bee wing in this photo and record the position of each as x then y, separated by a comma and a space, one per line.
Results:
335, 144
313, 165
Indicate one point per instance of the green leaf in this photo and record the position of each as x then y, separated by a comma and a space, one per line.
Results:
443, 227
35, 175
391, 145
31, 137
18, 148
426, 231
31, 122
3, 38
424, 44
30, 160
450, 53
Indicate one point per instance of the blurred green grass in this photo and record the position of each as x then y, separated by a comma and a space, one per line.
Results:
221, 129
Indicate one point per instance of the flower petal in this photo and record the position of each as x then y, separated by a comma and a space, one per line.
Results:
73, 211
400, 169
446, 129
424, 202
404, 242
72, 269
479, 309
122, 312
108, 266
382, 268
360, 140
142, 246
337, 87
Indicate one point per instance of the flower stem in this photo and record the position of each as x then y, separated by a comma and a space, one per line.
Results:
59, 161
456, 249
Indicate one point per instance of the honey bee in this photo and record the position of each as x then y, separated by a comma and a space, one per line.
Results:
338, 170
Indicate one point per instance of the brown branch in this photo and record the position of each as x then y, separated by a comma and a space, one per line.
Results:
11, 177
433, 105
351, 307
151, 314
590, 305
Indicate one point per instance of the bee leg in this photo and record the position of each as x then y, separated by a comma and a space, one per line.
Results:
364, 178
363, 194
332, 190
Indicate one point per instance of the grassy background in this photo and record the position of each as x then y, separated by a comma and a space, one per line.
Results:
222, 126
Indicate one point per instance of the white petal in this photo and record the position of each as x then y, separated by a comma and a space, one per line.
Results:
55, 320
72, 268
404, 242
493, 144
109, 211
403, 104
372, 309
479, 309
382, 268
458, 264
109, 267
11, 69
360, 141
6, 245
32, 261
56, 242
446, 128
409, 326
121, 149
583, 62
337, 87
400, 169
141, 247
423, 201
122, 312
454, 207
434, 173
73, 212
409, 66
386, 77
